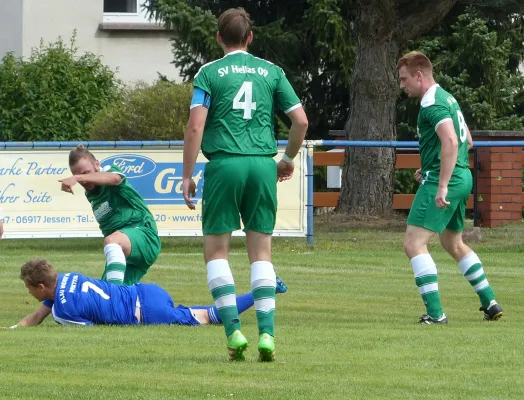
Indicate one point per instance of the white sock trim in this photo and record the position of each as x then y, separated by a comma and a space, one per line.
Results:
114, 254
228, 300
265, 305
422, 264
482, 285
475, 275
218, 268
115, 275
430, 287
263, 270
468, 261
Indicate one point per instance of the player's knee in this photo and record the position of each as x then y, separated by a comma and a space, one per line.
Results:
115, 238
409, 247
413, 246
454, 247
110, 240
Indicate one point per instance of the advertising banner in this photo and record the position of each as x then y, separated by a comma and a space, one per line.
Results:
34, 206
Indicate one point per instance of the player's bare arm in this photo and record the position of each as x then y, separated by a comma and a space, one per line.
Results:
297, 133
35, 318
470, 139
192, 143
95, 178
448, 159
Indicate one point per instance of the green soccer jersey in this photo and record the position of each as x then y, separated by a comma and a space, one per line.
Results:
120, 206
438, 106
243, 92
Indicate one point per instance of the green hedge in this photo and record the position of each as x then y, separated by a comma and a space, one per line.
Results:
146, 112
53, 94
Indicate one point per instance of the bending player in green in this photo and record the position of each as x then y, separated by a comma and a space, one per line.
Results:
446, 183
231, 118
131, 242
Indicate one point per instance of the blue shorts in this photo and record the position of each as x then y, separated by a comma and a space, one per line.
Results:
158, 308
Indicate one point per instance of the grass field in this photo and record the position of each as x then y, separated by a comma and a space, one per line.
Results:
346, 329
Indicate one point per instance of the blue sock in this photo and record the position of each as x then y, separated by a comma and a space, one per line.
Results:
244, 302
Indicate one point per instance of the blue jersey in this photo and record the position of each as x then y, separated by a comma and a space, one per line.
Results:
80, 300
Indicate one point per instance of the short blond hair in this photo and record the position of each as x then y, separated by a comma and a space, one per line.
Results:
416, 61
78, 153
36, 272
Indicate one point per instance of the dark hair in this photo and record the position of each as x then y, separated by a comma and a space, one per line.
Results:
78, 153
37, 272
234, 27
416, 61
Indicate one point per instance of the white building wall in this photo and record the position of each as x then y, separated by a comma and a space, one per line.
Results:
137, 54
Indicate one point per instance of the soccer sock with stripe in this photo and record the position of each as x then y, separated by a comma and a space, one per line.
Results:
426, 278
220, 282
244, 302
115, 264
263, 283
471, 267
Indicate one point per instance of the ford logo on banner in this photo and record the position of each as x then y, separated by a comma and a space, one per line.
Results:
157, 182
132, 165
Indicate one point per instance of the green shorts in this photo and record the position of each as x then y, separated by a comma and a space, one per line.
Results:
145, 248
425, 213
239, 187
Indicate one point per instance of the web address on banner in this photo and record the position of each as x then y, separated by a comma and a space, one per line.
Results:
177, 218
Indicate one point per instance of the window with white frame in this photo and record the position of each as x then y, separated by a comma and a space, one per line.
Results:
129, 11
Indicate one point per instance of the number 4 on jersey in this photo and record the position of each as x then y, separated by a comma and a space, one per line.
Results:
246, 91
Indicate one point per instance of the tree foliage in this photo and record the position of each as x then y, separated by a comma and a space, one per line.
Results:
477, 59
340, 57
476, 49
310, 39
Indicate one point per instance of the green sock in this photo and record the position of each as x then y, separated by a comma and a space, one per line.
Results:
426, 279
265, 306
263, 282
471, 267
428, 288
222, 286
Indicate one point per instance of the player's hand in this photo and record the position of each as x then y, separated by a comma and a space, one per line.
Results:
68, 183
285, 170
440, 198
418, 175
189, 189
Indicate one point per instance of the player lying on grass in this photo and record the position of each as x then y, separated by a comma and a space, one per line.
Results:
75, 299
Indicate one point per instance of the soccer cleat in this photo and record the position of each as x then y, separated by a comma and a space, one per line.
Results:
493, 312
236, 345
281, 286
266, 348
428, 320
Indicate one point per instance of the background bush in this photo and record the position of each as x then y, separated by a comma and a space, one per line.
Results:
53, 94
152, 112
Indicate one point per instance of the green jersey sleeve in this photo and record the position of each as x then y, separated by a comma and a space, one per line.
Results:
115, 170
201, 81
435, 114
285, 97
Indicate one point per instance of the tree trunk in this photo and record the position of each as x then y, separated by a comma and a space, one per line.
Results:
368, 173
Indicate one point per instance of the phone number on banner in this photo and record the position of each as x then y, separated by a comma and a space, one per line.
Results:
45, 219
